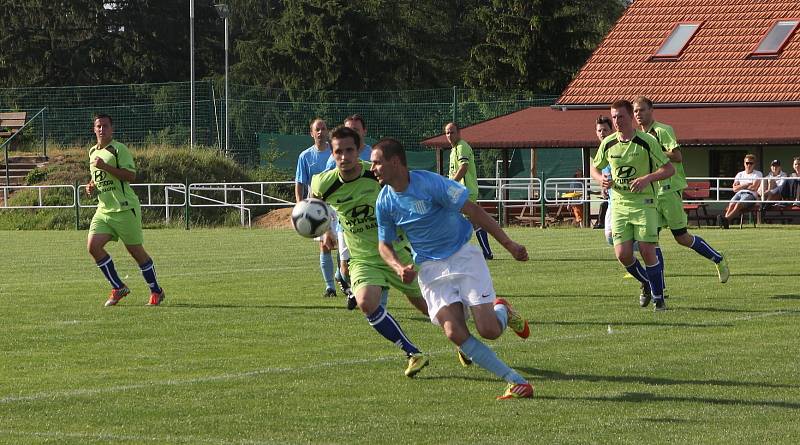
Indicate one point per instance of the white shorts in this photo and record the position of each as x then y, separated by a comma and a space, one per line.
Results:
607, 224
461, 278
344, 252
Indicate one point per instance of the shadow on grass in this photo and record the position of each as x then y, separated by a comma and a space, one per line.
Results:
574, 260
649, 398
555, 375
724, 309
630, 323
786, 297
251, 306
736, 274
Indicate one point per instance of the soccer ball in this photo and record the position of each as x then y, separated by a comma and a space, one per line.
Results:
311, 217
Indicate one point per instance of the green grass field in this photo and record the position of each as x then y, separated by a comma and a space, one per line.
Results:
245, 350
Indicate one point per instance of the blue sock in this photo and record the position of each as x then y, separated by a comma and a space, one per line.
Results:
656, 275
483, 240
660, 257
501, 312
106, 265
385, 297
149, 273
700, 246
487, 359
638, 272
386, 325
326, 265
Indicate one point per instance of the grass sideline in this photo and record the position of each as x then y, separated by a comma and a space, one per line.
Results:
245, 351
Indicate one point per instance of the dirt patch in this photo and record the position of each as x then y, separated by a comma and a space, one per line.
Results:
275, 219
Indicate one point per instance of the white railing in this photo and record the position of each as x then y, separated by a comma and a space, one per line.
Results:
240, 195
42, 193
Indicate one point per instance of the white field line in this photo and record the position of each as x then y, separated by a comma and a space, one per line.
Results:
266, 371
130, 438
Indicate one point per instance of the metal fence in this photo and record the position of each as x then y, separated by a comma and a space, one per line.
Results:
511, 199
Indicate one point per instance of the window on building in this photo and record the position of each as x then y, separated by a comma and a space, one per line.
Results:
677, 40
776, 38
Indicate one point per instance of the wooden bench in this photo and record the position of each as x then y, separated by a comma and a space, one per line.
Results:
696, 191
781, 213
11, 123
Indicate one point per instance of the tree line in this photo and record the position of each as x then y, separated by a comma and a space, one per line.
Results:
495, 45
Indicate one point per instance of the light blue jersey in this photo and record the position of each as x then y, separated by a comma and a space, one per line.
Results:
310, 162
364, 156
429, 212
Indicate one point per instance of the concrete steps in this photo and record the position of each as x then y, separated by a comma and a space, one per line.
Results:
19, 167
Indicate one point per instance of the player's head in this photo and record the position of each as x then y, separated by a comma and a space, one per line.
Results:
622, 115
643, 111
453, 133
603, 127
344, 147
389, 161
103, 128
356, 122
749, 162
319, 131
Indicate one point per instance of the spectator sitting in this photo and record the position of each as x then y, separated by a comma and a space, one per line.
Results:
745, 186
771, 188
576, 192
791, 188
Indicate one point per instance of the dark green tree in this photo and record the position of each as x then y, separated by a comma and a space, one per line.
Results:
536, 45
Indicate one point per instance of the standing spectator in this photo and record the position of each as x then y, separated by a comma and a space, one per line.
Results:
745, 187
773, 185
310, 162
462, 169
602, 129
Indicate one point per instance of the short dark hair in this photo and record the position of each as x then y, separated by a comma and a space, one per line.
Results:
103, 116
453, 124
622, 103
342, 132
391, 147
643, 100
311, 124
604, 120
354, 118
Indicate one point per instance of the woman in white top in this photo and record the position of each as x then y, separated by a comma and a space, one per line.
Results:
745, 185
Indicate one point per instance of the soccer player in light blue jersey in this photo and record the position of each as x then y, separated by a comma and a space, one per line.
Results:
310, 162
453, 275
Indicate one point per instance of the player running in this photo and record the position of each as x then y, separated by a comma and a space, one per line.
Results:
118, 215
453, 274
637, 162
669, 200
351, 189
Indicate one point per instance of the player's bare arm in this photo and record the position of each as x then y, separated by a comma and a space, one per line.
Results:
461, 172
406, 272
479, 216
674, 155
600, 178
664, 172
121, 173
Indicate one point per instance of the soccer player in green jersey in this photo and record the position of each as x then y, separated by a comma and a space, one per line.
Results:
462, 169
118, 215
670, 201
637, 163
352, 189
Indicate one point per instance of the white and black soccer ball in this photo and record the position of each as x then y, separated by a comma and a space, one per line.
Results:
311, 217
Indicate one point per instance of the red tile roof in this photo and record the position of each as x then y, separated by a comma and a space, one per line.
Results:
715, 66
545, 127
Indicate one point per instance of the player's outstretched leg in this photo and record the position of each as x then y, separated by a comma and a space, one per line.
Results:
383, 322
118, 288
700, 246
484, 357
511, 318
326, 266
149, 273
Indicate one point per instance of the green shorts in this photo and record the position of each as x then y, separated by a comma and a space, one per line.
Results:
380, 274
670, 205
125, 225
634, 222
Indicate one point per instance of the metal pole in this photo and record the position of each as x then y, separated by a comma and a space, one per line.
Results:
544, 205
227, 125
455, 106
77, 207
44, 131
186, 195
191, 75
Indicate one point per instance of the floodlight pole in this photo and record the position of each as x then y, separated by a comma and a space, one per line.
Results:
224, 11
191, 75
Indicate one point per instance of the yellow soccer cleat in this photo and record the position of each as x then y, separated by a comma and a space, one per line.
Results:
463, 359
515, 321
415, 364
722, 270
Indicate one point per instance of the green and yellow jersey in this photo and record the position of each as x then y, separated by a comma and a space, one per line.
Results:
354, 203
462, 154
113, 194
629, 160
665, 135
